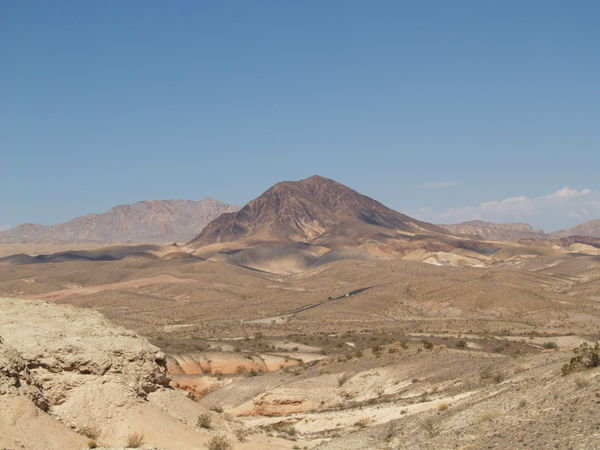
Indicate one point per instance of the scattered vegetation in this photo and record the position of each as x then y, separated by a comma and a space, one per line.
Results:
427, 345
135, 440
242, 434
488, 415
581, 381
218, 409
219, 443
431, 427
460, 343
343, 378
586, 357
91, 432
550, 345
204, 421
362, 423
489, 373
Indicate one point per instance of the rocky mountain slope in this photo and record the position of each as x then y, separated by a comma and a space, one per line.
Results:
316, 210
142, 222
494, 231
591, 229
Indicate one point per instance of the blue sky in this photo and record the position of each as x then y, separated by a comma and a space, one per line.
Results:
443, 110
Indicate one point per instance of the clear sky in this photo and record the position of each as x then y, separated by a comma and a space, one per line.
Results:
446, 110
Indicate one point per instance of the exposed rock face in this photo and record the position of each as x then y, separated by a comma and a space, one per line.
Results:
142, 222
591, 229
72, 363
495, 231
58, 355
313, 210
66, 373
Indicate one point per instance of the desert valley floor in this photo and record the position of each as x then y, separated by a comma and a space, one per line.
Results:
351, 354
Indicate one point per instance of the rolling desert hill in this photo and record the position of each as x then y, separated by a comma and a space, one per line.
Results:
150, 221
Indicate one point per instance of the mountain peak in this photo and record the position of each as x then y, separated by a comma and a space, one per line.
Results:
308, 210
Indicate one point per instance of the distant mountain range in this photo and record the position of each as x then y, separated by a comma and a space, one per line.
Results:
143, 222
315, 211
295, 226
516, 231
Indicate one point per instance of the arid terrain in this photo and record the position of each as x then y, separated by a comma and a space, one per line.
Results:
312, 318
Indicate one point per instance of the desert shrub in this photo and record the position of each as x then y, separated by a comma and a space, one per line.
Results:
288, 431
427, 345
460, 344
217, 409
362, 423
135, 440
522, 403
488, 415
498, 377
586, 357
219, 443
581, 381
91, 432
431, 427
253, 373
550, 345
376, 349
242, 434
343, 378
204, 421
489, 373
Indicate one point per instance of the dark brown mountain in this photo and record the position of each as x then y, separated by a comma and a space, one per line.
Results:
315, 210
143, 222
494, 231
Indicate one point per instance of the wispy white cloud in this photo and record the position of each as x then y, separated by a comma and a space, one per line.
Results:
438, 184
563, 208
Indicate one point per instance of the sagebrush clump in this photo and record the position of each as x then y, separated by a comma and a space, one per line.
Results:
204, 421
586, 357
219, 443
135, 440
